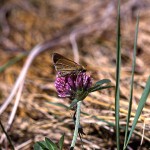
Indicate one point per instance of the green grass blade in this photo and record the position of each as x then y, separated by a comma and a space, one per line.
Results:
118, 66
61, 142
132, 80
139, 109
58, 104
12, 61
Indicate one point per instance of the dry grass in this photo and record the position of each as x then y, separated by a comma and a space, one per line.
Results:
25, 24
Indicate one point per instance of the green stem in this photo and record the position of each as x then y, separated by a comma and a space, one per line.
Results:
76, 125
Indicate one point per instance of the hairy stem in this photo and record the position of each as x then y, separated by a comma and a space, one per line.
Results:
75, 135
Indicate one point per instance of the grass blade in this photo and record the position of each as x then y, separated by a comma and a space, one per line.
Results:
12, 61
118, 66
61, 142
132, 80
140, 108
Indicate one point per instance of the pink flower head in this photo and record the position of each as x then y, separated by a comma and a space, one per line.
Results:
70, 85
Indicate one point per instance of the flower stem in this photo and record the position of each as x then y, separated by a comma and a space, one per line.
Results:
76, 125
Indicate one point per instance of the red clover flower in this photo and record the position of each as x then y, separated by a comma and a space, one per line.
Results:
74, 86
77, 86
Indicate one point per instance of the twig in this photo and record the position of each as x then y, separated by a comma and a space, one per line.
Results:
15, 106
143, 133
8, 138
34, 52
74, 47
21, 146
11, 118
20, 81
21, 77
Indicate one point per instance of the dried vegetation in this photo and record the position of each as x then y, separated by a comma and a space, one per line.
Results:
69, 27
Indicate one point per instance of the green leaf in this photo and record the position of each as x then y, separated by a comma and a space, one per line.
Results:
98, 85
61, 142
140, 108
99, 88
102, 82
50, 144
42, 144
37, 147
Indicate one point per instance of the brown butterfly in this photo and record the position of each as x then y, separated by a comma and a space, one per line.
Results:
66, 66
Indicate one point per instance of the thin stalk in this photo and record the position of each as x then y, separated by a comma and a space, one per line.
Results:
141, 104
12, 61
132, 80
75, 135
8, 138
118, 68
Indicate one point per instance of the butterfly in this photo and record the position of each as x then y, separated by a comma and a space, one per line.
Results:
66, 66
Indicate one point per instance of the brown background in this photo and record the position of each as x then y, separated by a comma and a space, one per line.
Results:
24, 24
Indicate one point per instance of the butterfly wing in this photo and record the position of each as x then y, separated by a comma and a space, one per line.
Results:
64, 65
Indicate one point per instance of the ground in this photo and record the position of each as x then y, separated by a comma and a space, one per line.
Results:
84, 31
